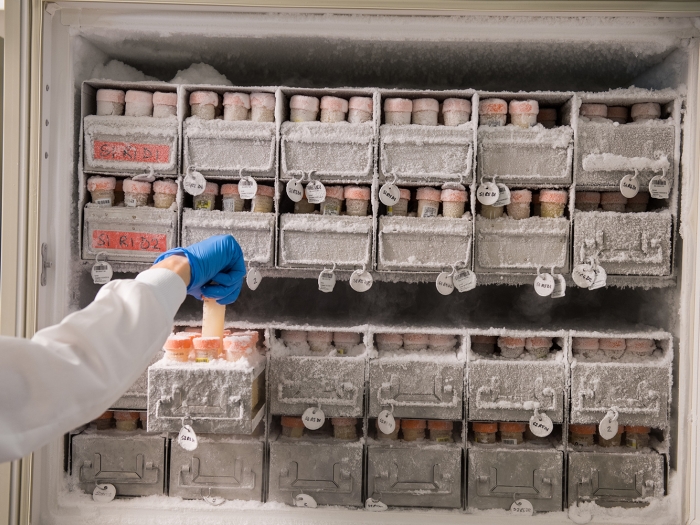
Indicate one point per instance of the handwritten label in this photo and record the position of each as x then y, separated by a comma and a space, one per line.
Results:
214, 501
101, 272
128, 152
544, 284
659, 187
559, 286
600, 279
464, 280
608, 426
295, 191
374, 505
253, 278
389, 195
522, 507
444, 283
326, 281
187, 438
361, 281
194, 183
131, 241
583, 275
541, 425
386, 422
247, 188
104, 493
503, 195
313, 418
629, 186
304, 500
315, 192
487, 193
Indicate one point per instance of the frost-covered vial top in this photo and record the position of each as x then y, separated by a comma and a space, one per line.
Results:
619, 114
236, 106
441, 342
594, 112
178, 347
319, 341
453, 202
264, 199
230, 198
262, 107
164, 104
356, 200
645, 111
102, 190
587, 347
360, 109
164, 193
389, 342
484, 344
413, 429
638, 203
613, 201
400, 209
424, 112
547, 117
428, 201
440, 431
415, 342
613, 347
456, 111
239, 345
523, 113
136, 192
126, 421
553, 203
582, 435
511, 433
333, 109
538, 346
295, 340
345, 341
640, 347
511, 347
110, 102
203, 104
344, 428
493, 112
485, 432
397, 111
303, 108
138, 103
587, 200
334, 200
519, 207
206, 199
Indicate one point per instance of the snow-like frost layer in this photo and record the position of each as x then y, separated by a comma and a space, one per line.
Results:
119, 71
201, 73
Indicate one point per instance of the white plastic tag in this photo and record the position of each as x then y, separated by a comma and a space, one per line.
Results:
541, 425
315, 192
607, 428
600, 278
583, 275
313, 418
187, 439
579, 516
214, 501
361, 281
295, 191
386, 422
326, 281
253, 278
247, 187
544, 284
194, 183
304, 500
464, 280
659, 187
444, 283
629, 186
487, 193
559, 286
522, 507
101, 272
374, 505
104, 493
503, 195
389, 194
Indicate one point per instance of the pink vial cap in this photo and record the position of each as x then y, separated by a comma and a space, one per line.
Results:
321, 337
390, 338
521, 196
237, 99
441, 339
139, 97
523, 107
493, 106
646, 109
612, 343
294, 336
428, 194
426, 104
612, 197
398, 104
404, 194
165, 186
212, 188
206, 343
538, 342
304, 102
110, 95
361, 103
456, 104
101, 183
511, 341
358, 193
266, 191
347, 337
262, 100
417, 338
589, 197
454, 195
136, 186
585, 343
229, 189
161, 98
204, 98
554, 196
640, 344
334, 192
593, 110
334, 104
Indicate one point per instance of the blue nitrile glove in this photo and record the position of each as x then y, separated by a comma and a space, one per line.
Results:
218, 259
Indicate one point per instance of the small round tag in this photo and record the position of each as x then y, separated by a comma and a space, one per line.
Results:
544, 284
608, 426
374, 505
503, 195
304, 500
386, 422
247, 187
629, 186
487, 193
326, 281
104, 493
253, 278
541, 425
187, 438
194, 183
295, 191
361, 281
464, 280
444, 283
559, 286
214, 501
313, 418
522, 507
583, 275
659, 187
315, 192
600, 278
101, 272
579, 516
389, 194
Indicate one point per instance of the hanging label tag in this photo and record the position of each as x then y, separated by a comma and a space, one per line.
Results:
444, 283
104, 493
659, 187
464, 280
389, 194
386, 422
544, 284
600, 278
194, 183
579, 516
315, 192
101, 272
214, 501
247, 187
374, 505
559, 286
187, 439
295, 191
503, 195
326, 281
304, 500
541, 425
629, 186
522, 507
361, 281
583, 275
487, 193
253, 278
608, 426
313, 418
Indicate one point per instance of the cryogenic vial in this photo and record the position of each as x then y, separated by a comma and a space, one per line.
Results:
511, 347
239, 345
262, 107
206, 348
263, 200
203, 104
547, 117
164, 193
389, 342
587, 347
397, 111
637, 437
523, 113
164, 104
638, 203
453, 202
596, 112
231, 199
292, 427
303, 108
104, 422
319, 341
394, 435
413, 429
360, 110
484, 344
485, 432
304, 206
456, 111
126, 420
645, 111
356, 200
110, 102
178, 347
236, 106
538, 346
333, 109
345, 341
102, 190
442, 342
415, 342
424, 112
344, 428
491, 212
619, 114
138, 103
207, 199
552, 203
440, 431
640, 347
613, 347
511, 433
334, 200
613, 201
492, 112
428, 202
519, 207
587, 200
400, 209
582, 435
136, 192
614, 441
295, 339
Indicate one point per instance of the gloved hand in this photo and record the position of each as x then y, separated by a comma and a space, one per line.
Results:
218, 259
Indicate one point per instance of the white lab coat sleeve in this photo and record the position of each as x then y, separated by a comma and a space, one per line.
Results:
69, 374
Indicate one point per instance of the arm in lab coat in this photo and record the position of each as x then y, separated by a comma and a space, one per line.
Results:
70, 373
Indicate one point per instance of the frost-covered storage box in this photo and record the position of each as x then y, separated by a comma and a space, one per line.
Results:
121, 144
418, 153
535, 155
219, 397
224, 148
134, 462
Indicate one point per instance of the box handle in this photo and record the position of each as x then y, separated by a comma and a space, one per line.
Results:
340, 483
242, 478
442, 395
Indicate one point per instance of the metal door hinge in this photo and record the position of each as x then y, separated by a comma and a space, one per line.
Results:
45, 263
